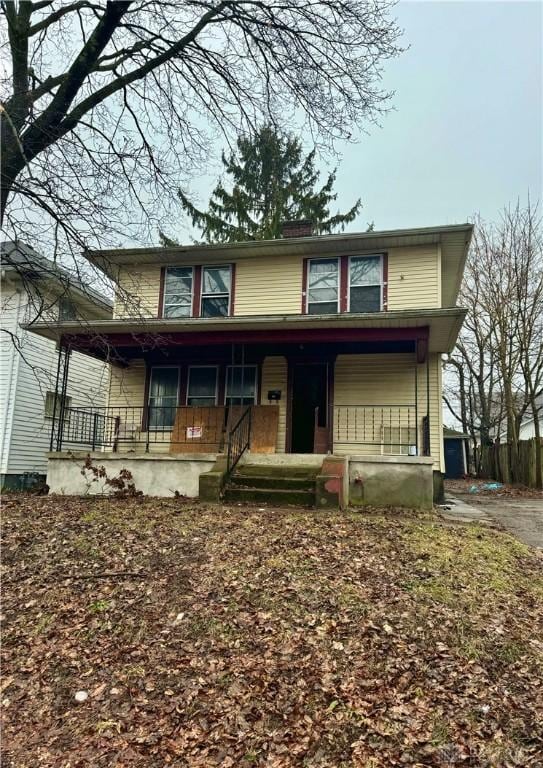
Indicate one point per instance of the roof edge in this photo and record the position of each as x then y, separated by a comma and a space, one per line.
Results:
287, 242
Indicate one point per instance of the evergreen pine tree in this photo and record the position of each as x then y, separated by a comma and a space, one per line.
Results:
271, 182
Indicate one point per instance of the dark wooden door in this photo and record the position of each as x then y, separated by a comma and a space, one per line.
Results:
309, 408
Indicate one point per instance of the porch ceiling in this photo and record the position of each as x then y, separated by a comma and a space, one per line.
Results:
440, 327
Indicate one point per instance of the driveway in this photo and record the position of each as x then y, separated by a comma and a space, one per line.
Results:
520, 516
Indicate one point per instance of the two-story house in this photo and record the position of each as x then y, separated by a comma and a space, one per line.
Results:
328, 345
35, 289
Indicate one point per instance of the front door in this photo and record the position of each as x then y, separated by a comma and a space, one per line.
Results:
309, 408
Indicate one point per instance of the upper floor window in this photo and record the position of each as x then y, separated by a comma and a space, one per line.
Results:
216, 291
178, 282
365, 284
66, 309
323, 286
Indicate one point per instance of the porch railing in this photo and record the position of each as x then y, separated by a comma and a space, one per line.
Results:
239, 440
141, 428
385, 429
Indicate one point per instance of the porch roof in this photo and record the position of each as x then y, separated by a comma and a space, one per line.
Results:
438, 327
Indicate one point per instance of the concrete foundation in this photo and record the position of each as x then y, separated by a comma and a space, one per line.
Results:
399, 481
377, 481
153, 475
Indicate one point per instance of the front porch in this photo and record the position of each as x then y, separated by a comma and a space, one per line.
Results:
372, 394
371, 398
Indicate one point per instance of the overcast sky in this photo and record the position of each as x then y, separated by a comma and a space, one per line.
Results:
466, 131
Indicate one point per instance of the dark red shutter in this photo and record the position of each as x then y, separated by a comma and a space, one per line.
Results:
385, 281
344, 284
304, 285
232, 288
197, 276
161, 292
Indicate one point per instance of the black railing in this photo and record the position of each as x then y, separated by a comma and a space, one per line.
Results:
239, 440
390, 429
132, 428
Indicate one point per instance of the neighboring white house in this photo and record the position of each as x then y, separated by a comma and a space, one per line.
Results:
33, 286
527, 428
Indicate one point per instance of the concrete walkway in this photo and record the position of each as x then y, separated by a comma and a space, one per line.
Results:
521, 517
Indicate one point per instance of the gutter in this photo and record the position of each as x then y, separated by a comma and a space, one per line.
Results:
285, 242
195, 324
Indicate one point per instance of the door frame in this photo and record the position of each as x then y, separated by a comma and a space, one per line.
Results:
293, 361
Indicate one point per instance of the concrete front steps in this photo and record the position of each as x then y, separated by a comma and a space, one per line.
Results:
273, 484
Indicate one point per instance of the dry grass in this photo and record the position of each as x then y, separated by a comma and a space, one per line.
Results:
228, 636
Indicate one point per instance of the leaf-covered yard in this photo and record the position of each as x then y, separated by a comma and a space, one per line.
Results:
200, 636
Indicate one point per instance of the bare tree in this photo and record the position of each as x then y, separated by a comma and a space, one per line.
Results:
495, 374
109, 104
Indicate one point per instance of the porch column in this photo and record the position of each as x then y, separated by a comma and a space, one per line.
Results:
428, 446
59, 403
417, 438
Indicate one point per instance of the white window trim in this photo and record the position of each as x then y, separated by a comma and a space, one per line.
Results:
211, 295
216, 367
306, 288
370, 285
385, 446
162, 367
191, 313
250, 365
58, 397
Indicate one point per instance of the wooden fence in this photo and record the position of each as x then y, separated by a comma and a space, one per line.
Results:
496, 463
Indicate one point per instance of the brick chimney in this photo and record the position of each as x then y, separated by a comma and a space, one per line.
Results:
297, 228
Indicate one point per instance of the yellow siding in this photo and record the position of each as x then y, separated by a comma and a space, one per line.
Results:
138, 293
413, 278
273, 285
274, 376
127, 385
269, 286
388, 380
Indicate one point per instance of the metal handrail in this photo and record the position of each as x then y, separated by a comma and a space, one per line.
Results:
239, 440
